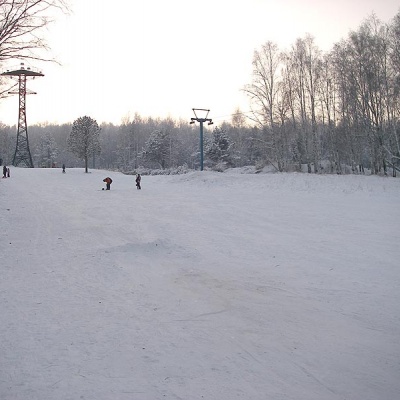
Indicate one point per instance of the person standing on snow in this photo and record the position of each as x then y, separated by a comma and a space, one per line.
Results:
108, 182
4, 171
138, 179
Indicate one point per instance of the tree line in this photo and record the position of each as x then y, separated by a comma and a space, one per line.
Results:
342, 107
137, 143
334, 112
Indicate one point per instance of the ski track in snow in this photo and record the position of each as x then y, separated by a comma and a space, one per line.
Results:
199, 286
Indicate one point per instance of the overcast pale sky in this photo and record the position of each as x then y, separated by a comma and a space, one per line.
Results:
162, 58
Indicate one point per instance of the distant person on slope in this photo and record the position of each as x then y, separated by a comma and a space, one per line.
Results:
108, 182
138, 180
63, 168
4, 171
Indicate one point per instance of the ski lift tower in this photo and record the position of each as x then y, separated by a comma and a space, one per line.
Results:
22, 155
201, 117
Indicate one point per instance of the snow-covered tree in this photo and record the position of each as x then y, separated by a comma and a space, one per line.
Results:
7, 143
84, 139
46, 151
219, 148
158, 147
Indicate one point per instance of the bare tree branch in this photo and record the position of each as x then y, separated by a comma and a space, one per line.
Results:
22, 24
21, 27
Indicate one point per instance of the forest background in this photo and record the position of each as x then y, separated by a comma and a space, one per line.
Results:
333, 112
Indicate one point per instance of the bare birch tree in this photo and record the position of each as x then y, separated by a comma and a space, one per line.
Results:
263, 93
313, 65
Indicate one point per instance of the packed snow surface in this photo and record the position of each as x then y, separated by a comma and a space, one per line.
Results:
207, 285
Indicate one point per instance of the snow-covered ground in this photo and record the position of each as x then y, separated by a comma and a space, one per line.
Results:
199, 286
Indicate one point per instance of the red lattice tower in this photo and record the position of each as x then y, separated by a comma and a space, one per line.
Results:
22, 155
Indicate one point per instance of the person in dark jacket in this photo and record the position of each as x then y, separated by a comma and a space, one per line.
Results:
138, 180
4, 171
108, 182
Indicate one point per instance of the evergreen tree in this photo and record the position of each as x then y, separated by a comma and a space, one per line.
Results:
219, 148
84, 139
